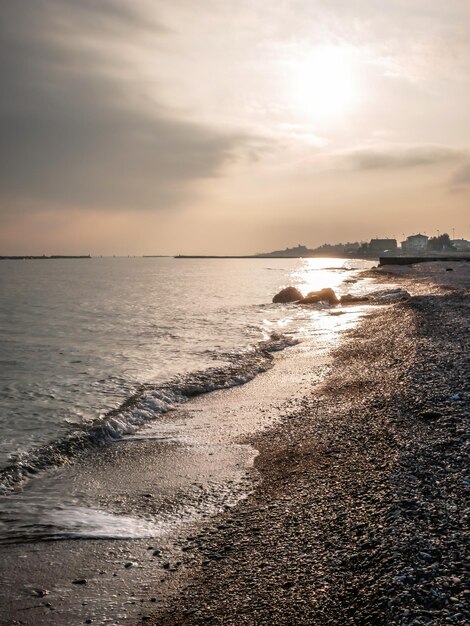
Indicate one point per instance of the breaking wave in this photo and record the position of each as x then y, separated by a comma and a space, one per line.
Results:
146, 405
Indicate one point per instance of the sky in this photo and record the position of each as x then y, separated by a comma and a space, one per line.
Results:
231, 127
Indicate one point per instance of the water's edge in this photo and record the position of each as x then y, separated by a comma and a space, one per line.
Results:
146, 405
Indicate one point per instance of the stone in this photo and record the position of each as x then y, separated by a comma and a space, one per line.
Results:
349, 299
289, 294
431, 415
311, 298
389, 295
40, 593
326, 295
188, 612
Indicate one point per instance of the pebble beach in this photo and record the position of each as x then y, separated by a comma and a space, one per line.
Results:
344, 473
360, 516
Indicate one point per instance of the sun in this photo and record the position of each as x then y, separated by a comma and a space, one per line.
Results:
323, 83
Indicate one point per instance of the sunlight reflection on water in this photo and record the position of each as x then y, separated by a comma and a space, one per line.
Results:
313, 275
320, 320
80, 338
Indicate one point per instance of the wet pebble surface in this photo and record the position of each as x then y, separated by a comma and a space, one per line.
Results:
361, 513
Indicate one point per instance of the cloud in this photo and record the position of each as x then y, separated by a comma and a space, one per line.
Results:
78, 126
395, 157
461, 178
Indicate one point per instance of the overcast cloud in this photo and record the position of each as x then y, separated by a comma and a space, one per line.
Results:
146, 126
76, 127
399, 157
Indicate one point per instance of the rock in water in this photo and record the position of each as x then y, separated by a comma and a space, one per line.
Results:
324, 295
289, 294
349, 299
386, 296
312, 298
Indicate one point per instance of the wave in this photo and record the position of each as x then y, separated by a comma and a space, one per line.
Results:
147, 404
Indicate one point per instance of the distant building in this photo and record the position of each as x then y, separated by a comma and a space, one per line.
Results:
298, 251
461, 245
377, 247
415, 243
337, 249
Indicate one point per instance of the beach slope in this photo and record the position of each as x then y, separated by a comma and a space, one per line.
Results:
361, 515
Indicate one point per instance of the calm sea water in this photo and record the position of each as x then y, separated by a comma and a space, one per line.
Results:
122, 350
78, 337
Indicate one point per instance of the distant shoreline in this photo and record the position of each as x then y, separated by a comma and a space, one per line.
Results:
43, 257
185, 256
274, 256
383, 260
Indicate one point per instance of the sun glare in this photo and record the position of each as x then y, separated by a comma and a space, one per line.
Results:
323, 83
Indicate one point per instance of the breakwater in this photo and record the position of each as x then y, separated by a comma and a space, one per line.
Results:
411, 260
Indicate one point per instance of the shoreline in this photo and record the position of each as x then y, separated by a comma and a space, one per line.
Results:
131, 414
361, 519
306, 543
155, 475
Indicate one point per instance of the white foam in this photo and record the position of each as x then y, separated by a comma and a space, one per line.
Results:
86, 523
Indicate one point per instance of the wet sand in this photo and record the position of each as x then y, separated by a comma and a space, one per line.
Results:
361, 513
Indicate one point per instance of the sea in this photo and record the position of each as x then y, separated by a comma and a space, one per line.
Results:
130, 389
92, 350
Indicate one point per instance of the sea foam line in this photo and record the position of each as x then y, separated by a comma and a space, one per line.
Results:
144, 406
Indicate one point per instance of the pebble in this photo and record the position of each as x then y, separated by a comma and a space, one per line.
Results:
383, 516
40, 593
